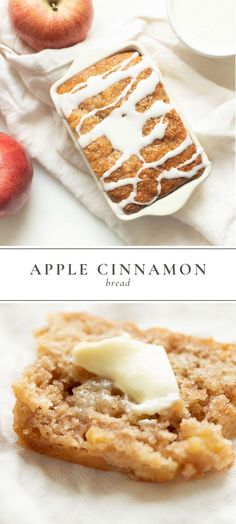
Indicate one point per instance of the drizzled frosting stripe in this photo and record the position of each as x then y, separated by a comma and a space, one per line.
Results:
123, 126
95, 85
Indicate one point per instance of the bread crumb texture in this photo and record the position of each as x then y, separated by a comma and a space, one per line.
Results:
66, 412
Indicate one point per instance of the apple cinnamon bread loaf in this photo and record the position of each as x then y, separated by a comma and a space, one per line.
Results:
66, 412
130, 132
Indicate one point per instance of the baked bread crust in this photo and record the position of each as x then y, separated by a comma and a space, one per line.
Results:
102, 155
63, 411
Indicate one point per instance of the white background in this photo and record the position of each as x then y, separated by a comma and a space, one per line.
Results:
44, 490
17, 284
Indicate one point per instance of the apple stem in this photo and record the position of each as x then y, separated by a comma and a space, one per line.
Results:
53, 6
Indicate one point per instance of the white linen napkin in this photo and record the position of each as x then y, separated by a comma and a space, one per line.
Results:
202, 87
35, 489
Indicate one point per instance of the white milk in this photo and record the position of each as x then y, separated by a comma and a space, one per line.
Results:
208, 26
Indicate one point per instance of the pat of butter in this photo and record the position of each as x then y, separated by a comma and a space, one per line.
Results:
141, 371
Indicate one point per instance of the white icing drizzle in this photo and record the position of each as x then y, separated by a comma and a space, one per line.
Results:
96, 84
123, 126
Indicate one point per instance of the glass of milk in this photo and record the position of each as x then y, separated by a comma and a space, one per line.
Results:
206, 26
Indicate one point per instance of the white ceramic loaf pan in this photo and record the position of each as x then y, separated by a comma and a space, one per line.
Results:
163, 206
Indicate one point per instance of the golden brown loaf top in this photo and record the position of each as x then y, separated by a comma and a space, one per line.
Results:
66, 412
131, 134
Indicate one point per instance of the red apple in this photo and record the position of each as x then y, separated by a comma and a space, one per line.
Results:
55, 24
16, 171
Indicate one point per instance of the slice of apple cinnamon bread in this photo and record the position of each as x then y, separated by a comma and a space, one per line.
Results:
66, 412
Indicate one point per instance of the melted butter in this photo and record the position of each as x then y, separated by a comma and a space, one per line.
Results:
141, 371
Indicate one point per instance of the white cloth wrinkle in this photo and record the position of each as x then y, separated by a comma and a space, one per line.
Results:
35, 489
